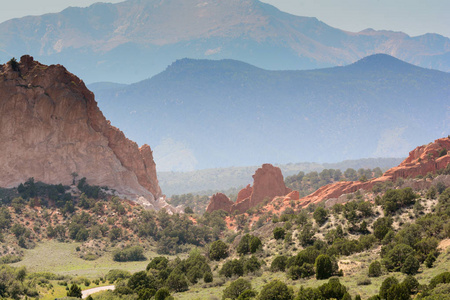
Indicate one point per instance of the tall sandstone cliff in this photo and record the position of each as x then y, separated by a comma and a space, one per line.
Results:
51, 127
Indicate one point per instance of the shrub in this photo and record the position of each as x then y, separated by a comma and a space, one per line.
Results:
208, 277
323, 267
158, 263
14, 64
375, 269
332, 289
393, 200
236, 288
133, 253
279, 264
320, 215
177, 281
276, 290
248, 244
161, 294
429, 261
381, 227
365, 281
251, 265
411, 284
115, 274
398, 292
115, 233
306, 236
218, 250
308, 294
397, 256
232, 267
279, 233
386, 285
140, 280
303, 271
410, 266
247, 295
441, 278
74, 291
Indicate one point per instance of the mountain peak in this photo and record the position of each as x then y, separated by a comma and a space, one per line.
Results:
380, 61
109, 38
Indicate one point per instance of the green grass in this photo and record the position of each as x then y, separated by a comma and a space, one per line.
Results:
50, 294
350, 280
61, 258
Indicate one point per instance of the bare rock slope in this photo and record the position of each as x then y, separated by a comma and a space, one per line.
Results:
51, 127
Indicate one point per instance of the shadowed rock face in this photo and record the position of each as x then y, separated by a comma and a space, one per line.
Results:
51, 126
268, 183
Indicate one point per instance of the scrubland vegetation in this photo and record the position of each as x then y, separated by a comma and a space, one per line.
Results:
388, 243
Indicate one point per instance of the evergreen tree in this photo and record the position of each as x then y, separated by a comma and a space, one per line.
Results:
74, 291
323, 267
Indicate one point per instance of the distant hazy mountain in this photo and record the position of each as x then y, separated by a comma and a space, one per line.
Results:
136, 39
201, 114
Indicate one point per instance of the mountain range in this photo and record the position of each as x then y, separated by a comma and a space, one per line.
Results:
206, 114
136, 39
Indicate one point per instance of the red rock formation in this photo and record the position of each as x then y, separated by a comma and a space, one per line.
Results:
244, 193
219, 201
421, 161
267, 183
51, 126
294, 195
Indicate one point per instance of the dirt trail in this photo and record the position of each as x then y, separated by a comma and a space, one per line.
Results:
88, 292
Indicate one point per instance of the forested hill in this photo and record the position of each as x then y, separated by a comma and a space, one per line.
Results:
201, 114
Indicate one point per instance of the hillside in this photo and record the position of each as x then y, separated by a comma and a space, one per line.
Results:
202, 114
395, 238
132, 40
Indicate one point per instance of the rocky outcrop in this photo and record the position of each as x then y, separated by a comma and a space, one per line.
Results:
294, 195
219, 201
268, 183
51, 127
421, 161
244, 193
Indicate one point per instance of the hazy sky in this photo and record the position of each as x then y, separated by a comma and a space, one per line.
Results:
415, 17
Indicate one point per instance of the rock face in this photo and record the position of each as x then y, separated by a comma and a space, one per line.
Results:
219, 201
268, 183
421, 161
51, 127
